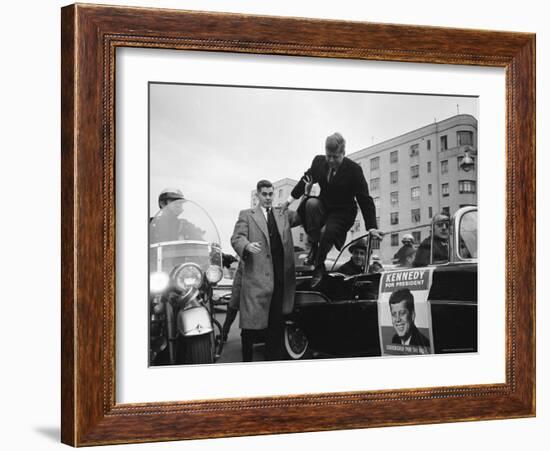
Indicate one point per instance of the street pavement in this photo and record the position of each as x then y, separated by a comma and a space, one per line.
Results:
232, 348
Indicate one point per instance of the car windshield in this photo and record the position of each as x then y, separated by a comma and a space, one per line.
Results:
183, 220
183, 232
467, 246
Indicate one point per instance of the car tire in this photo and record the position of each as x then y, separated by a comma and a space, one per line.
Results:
296, 342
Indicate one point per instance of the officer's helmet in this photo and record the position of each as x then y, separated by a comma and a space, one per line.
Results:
169, 195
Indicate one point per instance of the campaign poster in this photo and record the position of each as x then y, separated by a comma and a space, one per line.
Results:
404, 314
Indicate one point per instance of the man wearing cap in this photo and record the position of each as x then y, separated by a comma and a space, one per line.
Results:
167, 225
401, 255
356, 264
327, 218
440, 251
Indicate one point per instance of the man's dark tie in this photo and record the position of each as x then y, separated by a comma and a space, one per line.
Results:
271, 224
331, 173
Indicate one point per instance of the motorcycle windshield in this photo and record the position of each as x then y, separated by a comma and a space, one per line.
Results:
183, 232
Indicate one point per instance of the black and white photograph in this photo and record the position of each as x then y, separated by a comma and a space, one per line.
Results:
255, 225
289, 224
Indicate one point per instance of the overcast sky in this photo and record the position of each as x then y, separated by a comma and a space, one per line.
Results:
214, 143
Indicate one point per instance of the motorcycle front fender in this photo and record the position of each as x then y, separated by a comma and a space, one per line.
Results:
194, 321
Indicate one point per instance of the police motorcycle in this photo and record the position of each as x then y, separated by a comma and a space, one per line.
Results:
185, 264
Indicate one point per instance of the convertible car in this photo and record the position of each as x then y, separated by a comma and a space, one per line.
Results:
342, 318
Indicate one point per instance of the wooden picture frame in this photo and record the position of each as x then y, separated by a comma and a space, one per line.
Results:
90, 36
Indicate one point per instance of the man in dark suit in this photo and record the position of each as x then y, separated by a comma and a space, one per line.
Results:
403, 316
328, 218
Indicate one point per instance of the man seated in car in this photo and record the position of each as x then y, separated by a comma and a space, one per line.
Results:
356, 263
440, 251
400, 257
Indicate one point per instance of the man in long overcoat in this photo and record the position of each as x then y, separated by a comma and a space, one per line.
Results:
263, 239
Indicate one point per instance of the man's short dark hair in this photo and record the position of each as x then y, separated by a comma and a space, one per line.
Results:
335, 143
403, 294
263, 184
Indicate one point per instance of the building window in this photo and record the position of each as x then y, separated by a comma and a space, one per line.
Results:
429, 167
375, 184
301, 237
430, 212
445, 189
446, 211
280, 193
394, 218
429, 189
414, 171
376, 244
394, 156
414, 150
429, 144
415, 193
466, 186
394, 198
376, 201
415, 215
395, 239
443, 141
374, 163
394, 177
465, 138
444, 166
417, 237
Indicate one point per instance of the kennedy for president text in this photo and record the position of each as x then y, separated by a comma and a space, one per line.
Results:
414, 279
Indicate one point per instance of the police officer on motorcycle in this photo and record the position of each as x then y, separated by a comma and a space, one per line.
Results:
167, 226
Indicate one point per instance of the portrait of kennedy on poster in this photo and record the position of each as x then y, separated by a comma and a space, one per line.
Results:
290, 224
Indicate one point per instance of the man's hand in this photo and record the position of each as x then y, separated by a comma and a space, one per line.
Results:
375, 233
308, 180
253, 248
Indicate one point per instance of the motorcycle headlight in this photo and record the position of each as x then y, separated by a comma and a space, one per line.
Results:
188, 277
214, 274
158, 282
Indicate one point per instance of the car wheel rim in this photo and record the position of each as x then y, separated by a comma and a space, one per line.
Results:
296, 342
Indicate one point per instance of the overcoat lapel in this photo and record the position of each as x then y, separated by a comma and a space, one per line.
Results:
278, 214
259, 217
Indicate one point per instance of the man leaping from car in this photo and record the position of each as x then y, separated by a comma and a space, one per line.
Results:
327, 218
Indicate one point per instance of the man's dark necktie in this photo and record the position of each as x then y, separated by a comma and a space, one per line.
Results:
331, 173
271, 224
